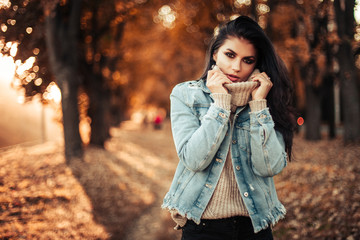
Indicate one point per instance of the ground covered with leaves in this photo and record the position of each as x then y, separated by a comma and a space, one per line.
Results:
116, 193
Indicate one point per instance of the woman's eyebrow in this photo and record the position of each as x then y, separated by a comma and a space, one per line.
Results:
232, 51
250, 57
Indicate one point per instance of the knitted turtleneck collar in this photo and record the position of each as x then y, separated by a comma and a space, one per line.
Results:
240, 93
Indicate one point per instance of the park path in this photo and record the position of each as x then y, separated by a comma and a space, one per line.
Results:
152, 153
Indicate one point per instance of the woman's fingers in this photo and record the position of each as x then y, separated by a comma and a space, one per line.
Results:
216, 80
265, 85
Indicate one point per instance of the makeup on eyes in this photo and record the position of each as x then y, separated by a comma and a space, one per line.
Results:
248, 59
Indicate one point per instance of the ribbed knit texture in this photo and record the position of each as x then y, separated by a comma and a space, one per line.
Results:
241, 93
226, 201
257, 105
222, 100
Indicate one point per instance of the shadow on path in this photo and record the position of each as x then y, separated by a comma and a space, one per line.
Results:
127, 182
119, 194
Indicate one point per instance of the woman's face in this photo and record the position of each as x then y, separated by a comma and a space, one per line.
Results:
236, 58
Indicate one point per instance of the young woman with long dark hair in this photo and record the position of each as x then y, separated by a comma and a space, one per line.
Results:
233, 132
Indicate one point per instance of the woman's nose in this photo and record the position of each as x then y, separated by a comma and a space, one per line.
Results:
236, 66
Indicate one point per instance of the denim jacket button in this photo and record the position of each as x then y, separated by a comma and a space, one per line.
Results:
219, 160
262, 116
238, 168
208, 185
234, 141
222, 115
246, 194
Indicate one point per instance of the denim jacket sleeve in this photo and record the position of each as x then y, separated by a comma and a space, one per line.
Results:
197, 136
268, 154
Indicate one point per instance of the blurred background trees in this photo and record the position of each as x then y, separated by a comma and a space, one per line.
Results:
348, 75
113, 58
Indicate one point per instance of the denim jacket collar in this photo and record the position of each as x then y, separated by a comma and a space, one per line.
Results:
202, 84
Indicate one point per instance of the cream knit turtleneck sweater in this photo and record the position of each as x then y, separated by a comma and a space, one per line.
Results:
226, 201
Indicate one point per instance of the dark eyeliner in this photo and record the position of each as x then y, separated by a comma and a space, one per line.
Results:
230, 54
249, 60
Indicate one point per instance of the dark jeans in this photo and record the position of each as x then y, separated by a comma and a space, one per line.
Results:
234, 228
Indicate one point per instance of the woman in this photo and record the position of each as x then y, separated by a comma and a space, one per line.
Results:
230, 147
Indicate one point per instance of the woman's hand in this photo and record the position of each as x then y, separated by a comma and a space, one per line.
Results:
265, 85
216, 80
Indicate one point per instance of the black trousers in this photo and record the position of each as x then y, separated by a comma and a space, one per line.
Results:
234, 228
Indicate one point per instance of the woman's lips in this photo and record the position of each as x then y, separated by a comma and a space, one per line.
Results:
233, 78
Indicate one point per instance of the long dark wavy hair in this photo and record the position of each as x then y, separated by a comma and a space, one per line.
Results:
279, 98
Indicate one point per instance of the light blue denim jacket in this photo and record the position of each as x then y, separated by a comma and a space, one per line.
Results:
202, 137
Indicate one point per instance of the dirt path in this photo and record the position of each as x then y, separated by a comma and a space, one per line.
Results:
152, 154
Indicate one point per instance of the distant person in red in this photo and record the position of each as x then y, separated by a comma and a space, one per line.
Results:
158, 122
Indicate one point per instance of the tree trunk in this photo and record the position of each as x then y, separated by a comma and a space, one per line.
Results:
98, 110
69, 103
329, 105
313, 113
315, 72
61, 38
253, 11
99, 95
329, 90
344, 10
349, 94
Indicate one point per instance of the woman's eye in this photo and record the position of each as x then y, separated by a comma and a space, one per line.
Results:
230, 55
249, 61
